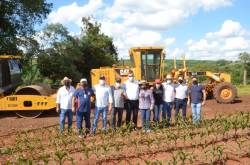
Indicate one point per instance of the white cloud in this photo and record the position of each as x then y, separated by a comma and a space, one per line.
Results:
169, 41
158, 15
141, 22
236, 43
73, 13
226, 43
228, 29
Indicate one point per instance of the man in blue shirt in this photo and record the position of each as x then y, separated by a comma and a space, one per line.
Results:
197, 97
81, 105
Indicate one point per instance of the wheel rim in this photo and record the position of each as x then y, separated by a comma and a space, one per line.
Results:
226, 93
29, 114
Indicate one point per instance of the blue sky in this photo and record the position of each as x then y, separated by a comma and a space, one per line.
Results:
204, 29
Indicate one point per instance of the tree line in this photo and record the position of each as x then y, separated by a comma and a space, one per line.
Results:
53, 52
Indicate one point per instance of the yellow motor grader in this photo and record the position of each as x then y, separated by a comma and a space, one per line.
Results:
26, 101
218, 86
148, 63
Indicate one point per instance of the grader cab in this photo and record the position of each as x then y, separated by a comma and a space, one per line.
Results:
147, 63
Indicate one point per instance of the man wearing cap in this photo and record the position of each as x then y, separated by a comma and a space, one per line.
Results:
81, 105
181, 95
168, 100
119, 96
158, 97
103, 103
197, 98
64, 103
132, 92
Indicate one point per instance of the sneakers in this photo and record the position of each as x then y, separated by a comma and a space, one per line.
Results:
146, 131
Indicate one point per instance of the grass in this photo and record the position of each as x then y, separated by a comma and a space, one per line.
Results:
243, 90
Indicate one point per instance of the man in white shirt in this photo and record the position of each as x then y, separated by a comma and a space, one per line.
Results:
181, 95
103, 103
64, 103
168, 100
132, 91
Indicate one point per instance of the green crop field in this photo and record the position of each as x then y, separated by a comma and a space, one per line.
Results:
243, 90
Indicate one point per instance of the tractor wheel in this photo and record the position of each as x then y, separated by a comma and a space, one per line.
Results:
225, 93
29, 113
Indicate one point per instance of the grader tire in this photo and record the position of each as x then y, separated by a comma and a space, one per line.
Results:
225, 93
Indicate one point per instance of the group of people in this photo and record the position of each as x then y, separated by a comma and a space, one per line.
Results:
132, 96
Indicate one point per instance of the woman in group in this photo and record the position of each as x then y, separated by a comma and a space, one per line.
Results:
146, 105
158, 97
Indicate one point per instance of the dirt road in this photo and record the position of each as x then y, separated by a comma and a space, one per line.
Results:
10, 123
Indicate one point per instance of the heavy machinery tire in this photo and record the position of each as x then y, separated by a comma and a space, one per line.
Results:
225, 93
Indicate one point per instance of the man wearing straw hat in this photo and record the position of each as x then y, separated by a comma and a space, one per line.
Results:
64, 103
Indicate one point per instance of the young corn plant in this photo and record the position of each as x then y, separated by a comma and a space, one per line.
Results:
174, 160
220, 151
239, 143
72, 160
226, 128
149, 142
45, 158
7, 151
182, 156
85, 149
96, 152
235, 126
60, 155
135, 142
105, 148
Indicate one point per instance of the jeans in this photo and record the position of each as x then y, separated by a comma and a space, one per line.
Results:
79, 120
181, 104
114, 112
63, 114
145, 118
103, 111
196, 112
132, 107
157, 111
167, 108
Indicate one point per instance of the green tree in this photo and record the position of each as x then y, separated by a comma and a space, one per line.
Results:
245, 60
17, 20
56, 58
64, 55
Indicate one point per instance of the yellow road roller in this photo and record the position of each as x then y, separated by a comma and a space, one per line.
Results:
28, 101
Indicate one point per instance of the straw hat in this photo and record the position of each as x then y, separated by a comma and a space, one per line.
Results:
65, 79
143, 82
